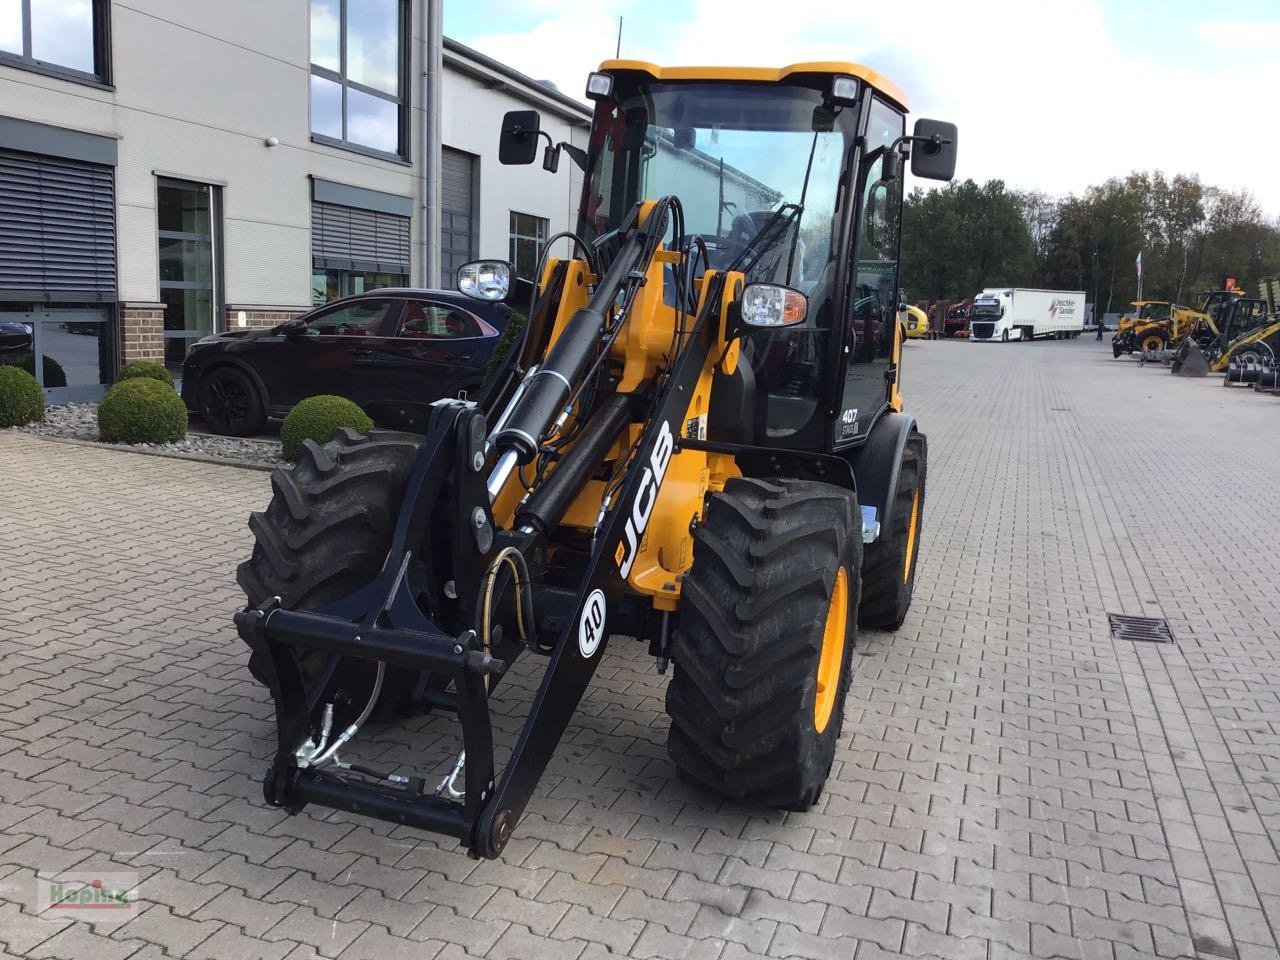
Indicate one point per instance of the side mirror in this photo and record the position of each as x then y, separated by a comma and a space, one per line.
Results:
294, 327
488, 280
518, 144
933, 150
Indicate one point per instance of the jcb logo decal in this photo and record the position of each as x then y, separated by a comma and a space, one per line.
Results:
646, 496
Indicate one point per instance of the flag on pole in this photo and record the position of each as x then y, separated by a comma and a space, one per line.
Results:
1139, 264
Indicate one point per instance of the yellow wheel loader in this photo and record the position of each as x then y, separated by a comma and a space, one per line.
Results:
700, 444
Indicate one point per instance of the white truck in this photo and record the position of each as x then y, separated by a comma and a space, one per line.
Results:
1005, 313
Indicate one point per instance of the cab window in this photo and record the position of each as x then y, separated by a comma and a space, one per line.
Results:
364, 318
436, 321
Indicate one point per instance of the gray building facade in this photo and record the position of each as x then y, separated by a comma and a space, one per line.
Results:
171, 168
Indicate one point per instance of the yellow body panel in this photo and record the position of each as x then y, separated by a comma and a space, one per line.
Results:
765, 74
665, 551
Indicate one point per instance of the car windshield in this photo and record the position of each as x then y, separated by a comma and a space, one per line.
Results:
986, 308
739, 156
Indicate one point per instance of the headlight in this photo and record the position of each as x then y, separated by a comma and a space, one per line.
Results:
485, 279
771, 305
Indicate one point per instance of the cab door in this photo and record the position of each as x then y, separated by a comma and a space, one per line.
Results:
435, 350
873, 335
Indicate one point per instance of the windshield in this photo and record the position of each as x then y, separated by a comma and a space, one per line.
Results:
1153, 311
758, 168
985, 308
739, 156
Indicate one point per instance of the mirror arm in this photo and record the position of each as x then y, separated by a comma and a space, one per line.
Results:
932, 144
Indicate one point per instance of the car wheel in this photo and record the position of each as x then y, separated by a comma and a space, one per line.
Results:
230, 403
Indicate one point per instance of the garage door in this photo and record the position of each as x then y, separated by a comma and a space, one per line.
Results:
457, 199
57, 229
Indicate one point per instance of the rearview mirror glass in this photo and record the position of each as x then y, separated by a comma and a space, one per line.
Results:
519, 141
293, 327
933, 151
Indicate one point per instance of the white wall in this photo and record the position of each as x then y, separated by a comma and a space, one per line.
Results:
472, 121
199, 88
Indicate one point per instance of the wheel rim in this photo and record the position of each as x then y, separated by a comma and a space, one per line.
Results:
227, 401
832, 660
909, 562
1152, 343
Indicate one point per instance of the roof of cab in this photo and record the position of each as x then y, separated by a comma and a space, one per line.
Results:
765, 74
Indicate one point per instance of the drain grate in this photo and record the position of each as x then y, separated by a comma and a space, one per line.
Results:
1145, 629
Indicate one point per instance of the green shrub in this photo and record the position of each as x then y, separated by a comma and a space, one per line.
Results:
54, 375
145, 368
21, 399
317, 417
141, 410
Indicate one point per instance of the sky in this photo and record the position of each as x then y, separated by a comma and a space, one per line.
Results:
1051, 96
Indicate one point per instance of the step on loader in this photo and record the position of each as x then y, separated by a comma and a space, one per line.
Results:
700, 443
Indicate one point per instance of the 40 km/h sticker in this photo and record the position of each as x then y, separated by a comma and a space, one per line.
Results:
591, 625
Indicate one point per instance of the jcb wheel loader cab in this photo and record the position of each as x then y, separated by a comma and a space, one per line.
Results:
699, 443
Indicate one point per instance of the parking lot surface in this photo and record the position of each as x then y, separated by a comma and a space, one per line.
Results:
1012, 781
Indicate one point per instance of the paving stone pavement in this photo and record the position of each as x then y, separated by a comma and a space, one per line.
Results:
1011, 781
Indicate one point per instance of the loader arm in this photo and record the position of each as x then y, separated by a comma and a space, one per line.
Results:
423, 613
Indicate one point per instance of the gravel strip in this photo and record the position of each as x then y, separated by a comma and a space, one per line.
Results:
79, 421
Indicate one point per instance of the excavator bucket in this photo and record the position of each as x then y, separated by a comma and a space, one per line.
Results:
1189, 361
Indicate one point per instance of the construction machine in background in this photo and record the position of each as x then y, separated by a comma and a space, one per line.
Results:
701, 443
1157, 328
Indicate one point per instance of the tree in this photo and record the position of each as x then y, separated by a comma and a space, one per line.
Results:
963, 237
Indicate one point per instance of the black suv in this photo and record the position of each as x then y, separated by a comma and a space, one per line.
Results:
392, 351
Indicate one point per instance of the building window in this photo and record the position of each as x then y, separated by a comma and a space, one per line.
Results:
329, 285
528, 234
67, 39
358, 83
188, 217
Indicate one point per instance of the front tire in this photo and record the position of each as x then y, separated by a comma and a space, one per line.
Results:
1256, 353
230, 403
1151, 342
762, 651
327, 531
889, 564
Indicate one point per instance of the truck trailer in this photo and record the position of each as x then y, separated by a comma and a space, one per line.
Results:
1016, 314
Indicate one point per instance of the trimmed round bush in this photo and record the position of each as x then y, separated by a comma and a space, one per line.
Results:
145, 368
317, 417
54, 375
21, 399
141, 410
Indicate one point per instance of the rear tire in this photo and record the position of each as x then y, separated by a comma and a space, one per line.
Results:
327, 530
889, 564
762, 651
